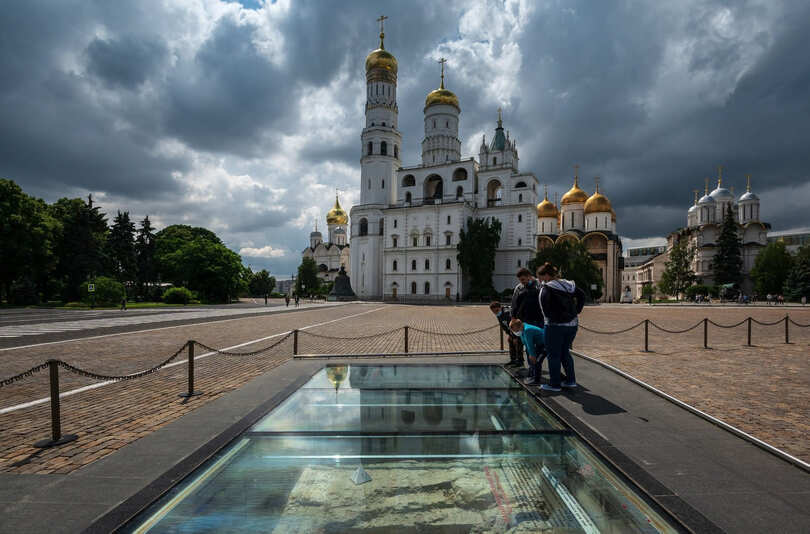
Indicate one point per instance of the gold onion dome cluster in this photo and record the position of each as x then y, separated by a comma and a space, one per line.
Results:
575, 195
598, 203
442, 96
381, 59
547, 208
337, 215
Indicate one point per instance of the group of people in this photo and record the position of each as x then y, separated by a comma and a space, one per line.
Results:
542, 319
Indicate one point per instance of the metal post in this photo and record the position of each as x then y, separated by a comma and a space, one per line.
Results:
646, 335
56, 423
787, 329
190, 392
295, 341
406, 339
501, 331
749, 331
706, 333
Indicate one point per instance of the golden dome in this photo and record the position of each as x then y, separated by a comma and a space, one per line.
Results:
575, 195
547, 208
442, 96
381, 59
337, 215
598, 203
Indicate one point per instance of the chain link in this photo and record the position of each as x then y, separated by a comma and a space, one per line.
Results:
798, 324
676, 331
415, 329
768, 324
731, 325
322, 336
251, 353
25, 374
611, 333
117, 378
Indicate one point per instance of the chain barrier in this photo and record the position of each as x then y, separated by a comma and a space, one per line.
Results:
251, 353
117, 378
797, 324
25, 374
733, 325
415, 329
677, 331
593, 331
770, 324
322, 336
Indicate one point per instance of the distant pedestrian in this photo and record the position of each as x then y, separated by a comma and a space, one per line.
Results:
561, 302
297, 300
525, 301
504, 316
781, 299
804, 301
124, 303
265, 299
533, 338
287, 300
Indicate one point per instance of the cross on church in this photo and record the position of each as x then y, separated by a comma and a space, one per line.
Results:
442, 61
382, 32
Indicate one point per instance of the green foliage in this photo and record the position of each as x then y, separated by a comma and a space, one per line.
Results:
80, 247
797, 284
771, 268
678, 274
307, 281
172, 239
177, 295
699, 289
121, 248
109, 291
647, 291
27, 235
727, 262
261, 283
207, 267
145, 257
476, 254
574, 262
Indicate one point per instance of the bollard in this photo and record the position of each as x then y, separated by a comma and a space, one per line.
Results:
706, 333
406, 339
646, 335
190, 392
787, 329
295, 342
56, 423
749, 331
501, 331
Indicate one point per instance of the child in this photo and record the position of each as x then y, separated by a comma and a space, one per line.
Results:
515, 346
533, 338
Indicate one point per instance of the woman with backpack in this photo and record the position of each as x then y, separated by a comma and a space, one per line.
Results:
561, 301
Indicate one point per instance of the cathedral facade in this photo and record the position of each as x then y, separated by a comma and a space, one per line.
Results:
405, 229
329, 256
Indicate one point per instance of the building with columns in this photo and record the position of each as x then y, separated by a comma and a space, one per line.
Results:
329, 256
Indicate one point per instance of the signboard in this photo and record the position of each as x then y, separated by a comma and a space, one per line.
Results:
91, 288
593, 287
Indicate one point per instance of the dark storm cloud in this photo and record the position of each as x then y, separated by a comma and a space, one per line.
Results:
126, 62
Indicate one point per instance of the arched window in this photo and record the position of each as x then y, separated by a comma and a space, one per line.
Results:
459, 175
383, 184
520, 242
370, 148
408, 180
394, 241
434, 123
382, 226
520, 197
427, 265
363, 226
395, 223
520, 217
448, 219
520, 184
394, 266
384, 148
459, 192
447, 263
413, 265
396, 151
494, 193
519, 263
448, 239
408, 197
413, 288
433, 187
427, 240
427, 288
415, 241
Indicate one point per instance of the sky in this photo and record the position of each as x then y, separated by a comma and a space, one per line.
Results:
245, 117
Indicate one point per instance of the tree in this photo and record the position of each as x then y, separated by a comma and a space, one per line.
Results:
211, 269
678, 274
80, 247
27, 234
727, 263
121, 249
574, 262
261, 283
476, 254
169, 241
307, 282
797, 284
145, 256
771, 268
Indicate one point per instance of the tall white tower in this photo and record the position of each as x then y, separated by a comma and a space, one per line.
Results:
441, 143
380, 159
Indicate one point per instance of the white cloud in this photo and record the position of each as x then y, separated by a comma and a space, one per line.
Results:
265, 252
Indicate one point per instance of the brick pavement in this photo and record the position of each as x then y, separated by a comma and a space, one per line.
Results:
725, 381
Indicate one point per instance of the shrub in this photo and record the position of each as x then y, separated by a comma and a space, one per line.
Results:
177, 295
108, 292
75, 305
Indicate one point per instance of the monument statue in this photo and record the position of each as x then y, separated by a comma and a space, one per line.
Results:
342, 290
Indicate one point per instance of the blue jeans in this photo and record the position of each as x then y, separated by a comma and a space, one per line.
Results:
558, 344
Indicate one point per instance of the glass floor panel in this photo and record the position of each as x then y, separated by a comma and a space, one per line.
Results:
411, 377
486, 477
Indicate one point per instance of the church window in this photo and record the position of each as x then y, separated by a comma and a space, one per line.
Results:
572, 220
413, 288
394, 266
520, 242
459, 192
448, 238
520, 217
448, 219
384, 148
363, 226
434, 158
395, 223
415, 241
413, 265
383, 184
520, 184
494, 161
383, 123
543, 227
596, 220
459, 175
427, 265
394, 241
520, 197
448, 264
434, 123
371, 145
396, 151
408, 181
446, 124
369, 183
606, 223
427, 288
427, 240
382, 226
519, 263
408, 197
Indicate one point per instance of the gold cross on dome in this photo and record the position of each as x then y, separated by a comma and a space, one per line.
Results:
382, 32
442, 61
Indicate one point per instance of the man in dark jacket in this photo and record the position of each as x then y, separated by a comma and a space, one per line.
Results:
525, 299
515, 346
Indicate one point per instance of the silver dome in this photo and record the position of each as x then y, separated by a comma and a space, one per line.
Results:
721, 194
748, 195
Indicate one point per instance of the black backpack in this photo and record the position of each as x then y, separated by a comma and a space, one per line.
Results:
565, 306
